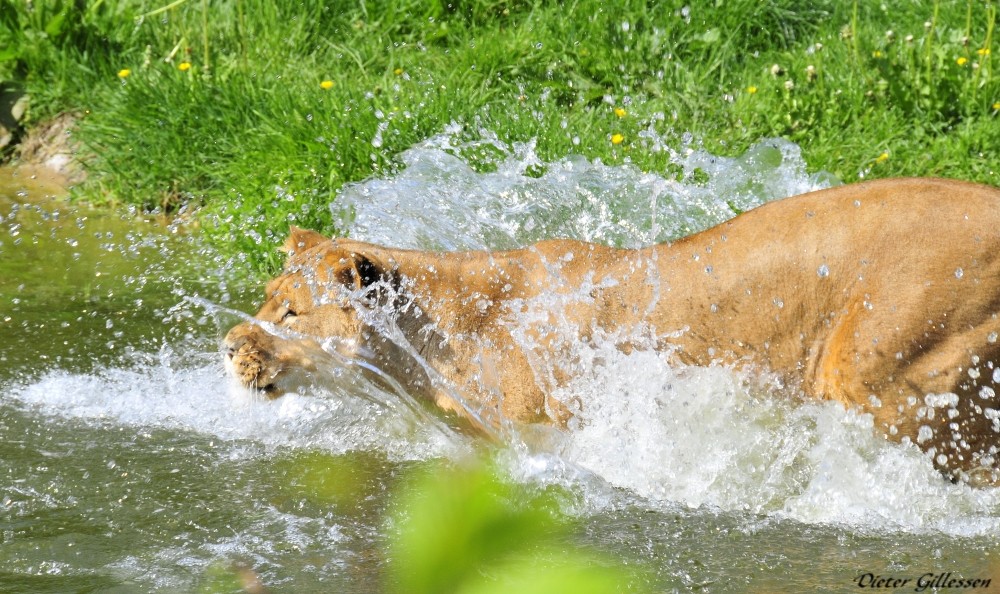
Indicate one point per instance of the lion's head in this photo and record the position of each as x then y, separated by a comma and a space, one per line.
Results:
310, 308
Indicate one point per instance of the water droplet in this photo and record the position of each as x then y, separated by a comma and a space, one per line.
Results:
959, 273
823, 271
991, 337
974, 372
996, 375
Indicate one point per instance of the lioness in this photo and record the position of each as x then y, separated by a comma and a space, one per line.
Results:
881, 295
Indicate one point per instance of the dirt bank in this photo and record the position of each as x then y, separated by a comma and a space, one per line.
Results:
47, 148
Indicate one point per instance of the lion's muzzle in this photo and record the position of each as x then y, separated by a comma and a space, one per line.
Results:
266, 362
248, 357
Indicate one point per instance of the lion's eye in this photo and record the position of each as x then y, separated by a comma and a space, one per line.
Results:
288, 315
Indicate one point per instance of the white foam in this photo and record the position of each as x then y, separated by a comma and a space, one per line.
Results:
163, 391
674, 434
438, 201
263, 544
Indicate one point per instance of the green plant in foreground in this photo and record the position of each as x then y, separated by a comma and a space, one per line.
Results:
464, 530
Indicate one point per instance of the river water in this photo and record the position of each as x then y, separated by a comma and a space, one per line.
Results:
128, 461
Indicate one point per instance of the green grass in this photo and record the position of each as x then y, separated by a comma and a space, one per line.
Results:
249, 134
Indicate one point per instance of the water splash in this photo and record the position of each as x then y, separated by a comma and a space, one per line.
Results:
734, 441
343, 412
439, 201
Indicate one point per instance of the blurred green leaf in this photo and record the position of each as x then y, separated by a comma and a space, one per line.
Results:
464, 530
577, 575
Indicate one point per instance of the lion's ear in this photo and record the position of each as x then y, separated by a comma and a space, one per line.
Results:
360, 272
300, 240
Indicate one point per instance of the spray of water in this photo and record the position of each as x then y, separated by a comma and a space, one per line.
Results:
438, 201
343, 410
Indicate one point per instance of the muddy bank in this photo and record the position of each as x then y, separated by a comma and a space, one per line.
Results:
47, 149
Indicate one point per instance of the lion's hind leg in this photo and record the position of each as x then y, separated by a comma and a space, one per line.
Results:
947, 401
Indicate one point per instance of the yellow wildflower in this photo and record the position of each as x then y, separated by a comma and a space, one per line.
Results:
877, 54
882, 158
751, 89
619, 112
985, 51
184, 66
124, 72
617, 138
962, 61
996, 106
398, 72
326, 85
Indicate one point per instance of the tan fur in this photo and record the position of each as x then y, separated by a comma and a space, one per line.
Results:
874, 295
